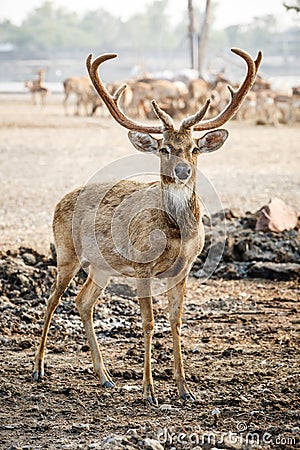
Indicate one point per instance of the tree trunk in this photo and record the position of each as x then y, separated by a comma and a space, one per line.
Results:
192, 34
202, 38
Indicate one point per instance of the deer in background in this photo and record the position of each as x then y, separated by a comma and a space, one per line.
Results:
82, 88
36, 88
90, 224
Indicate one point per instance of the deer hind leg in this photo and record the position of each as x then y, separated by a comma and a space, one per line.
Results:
145, 302
43, 98
33, 98
66, 270
85, 302
175, 299
65, 103
78, 104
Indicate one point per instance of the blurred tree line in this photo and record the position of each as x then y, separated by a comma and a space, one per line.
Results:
51, 29
48, 29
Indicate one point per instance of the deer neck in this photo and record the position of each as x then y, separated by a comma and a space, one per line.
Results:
181, 207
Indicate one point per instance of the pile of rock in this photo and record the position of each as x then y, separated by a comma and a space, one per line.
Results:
265, 244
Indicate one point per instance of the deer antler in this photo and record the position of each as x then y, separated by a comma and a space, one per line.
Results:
237, 97
112, 102
163, 116
190, 121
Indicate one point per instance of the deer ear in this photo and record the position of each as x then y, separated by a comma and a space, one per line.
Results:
144, 142
211, 141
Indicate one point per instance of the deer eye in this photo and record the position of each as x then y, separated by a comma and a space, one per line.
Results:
165, 151
195, 151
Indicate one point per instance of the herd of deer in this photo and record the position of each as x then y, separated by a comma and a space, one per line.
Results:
263, 105
140, 230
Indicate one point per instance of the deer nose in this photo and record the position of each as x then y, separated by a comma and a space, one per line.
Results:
182, 171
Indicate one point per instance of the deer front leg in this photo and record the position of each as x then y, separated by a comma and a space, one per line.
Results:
175, 299
145, 302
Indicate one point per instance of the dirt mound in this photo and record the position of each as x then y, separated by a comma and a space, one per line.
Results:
246, 252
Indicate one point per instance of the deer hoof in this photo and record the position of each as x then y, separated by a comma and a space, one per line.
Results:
108, 384
188, 397
185, 393
149, 396
151, 400
37, 375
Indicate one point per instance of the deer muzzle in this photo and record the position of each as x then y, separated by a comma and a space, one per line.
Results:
182, 171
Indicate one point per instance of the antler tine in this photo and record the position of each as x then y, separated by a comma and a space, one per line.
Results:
236, 97
163, 116
119, 92
112, 101
258, 60
190, 121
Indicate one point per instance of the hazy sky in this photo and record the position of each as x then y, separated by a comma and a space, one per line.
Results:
228, 11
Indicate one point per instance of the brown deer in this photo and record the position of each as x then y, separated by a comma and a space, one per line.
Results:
36, 88
162, 220
83, 90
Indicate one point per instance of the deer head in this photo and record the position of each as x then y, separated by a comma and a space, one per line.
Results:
178, 149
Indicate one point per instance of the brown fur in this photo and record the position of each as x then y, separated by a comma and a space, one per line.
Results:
81, 87
36, 88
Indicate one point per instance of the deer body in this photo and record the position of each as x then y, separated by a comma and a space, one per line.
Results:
81, 87
95, 226
140, 230
36, 88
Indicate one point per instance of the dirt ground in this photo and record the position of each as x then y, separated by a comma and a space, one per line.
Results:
241, 337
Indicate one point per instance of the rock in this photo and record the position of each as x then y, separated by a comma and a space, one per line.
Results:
130, 388
234, 444
29, 259
274, 271
116, 442
277, 216
165, 407
27, 317
80, 427
152, 444
25, 344
5, 303
23, 279
132, 432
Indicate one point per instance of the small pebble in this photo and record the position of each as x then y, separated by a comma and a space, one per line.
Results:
29, 259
